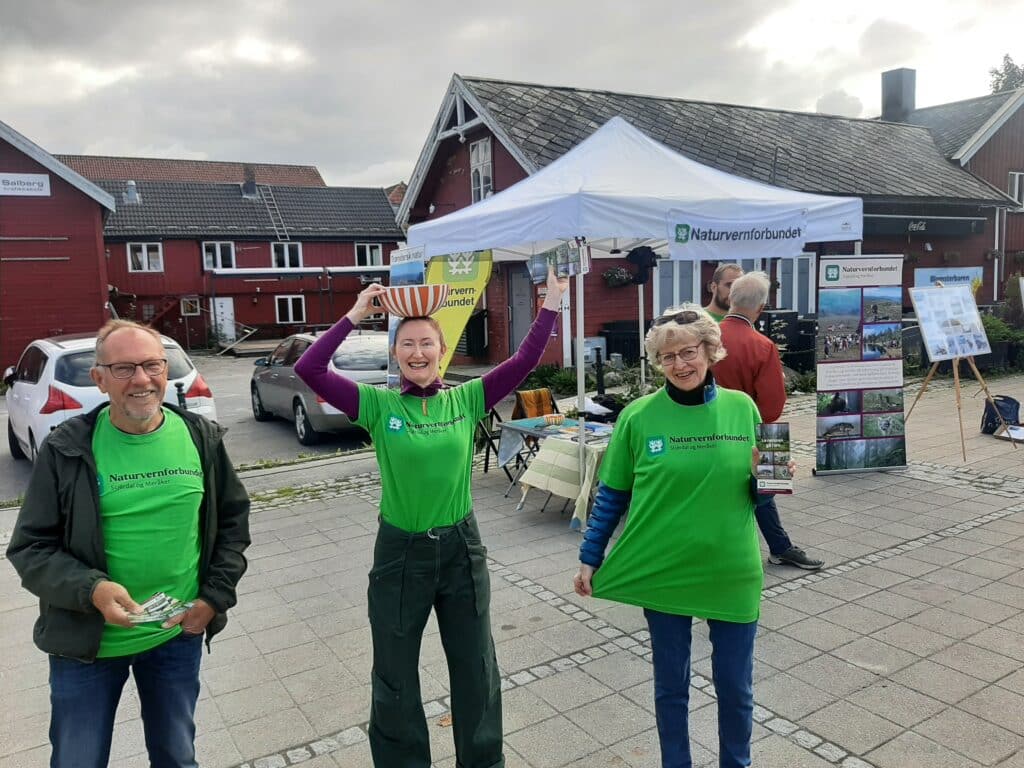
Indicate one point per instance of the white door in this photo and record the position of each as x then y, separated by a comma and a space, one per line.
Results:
222, 308
798, 283
675, 283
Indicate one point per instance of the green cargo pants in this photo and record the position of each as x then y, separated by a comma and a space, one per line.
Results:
444, 569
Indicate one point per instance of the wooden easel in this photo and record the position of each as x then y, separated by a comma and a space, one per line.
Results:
959, 409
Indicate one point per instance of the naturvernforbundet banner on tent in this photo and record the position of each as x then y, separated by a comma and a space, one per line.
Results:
694, 237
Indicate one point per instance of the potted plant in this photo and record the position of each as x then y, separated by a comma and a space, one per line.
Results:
617, 277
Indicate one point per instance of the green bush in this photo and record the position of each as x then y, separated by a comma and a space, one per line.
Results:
998, 330
541, 376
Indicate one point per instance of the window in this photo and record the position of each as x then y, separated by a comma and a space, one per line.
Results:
30, 367
148, 312
219, 255
291, 309
287, 255
298, 347
189, 306
369, 255
145, 257
1017, 189
278, 355
480, 169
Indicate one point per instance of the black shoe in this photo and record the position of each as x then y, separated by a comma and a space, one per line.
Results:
796, 556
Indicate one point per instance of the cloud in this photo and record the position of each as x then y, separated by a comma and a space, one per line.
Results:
888, 43
839, 102
354, 87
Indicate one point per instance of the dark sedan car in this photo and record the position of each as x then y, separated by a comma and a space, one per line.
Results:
277, 391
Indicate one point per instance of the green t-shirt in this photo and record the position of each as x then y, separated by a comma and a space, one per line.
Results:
151, 488
689, 546
425, 459
714, 315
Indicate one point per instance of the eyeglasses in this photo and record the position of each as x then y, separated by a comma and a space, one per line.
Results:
127, 370
682, 318
687, 355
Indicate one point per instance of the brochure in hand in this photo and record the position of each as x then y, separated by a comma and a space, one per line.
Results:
772, 470
159, 607
568, 259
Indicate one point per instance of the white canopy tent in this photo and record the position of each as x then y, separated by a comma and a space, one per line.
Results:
619, 183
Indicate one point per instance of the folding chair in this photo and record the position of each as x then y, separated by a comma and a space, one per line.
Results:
531, 403
486, 435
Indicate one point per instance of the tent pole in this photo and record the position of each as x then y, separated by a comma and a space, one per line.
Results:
581, 375
643, 366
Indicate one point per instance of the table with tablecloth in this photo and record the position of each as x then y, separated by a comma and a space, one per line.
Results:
553, 464
556, 469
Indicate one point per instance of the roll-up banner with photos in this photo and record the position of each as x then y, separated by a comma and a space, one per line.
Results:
859, 356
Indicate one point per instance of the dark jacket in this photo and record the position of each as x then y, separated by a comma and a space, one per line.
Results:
57, 544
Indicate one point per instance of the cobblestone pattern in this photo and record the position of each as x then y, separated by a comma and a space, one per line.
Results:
638, 642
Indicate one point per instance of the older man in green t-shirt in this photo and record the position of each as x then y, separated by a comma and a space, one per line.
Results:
133, 499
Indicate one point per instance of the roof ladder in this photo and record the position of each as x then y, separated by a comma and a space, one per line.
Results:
267, 194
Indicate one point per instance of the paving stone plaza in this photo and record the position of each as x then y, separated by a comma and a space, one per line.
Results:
907, 651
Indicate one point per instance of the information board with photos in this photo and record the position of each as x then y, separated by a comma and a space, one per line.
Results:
950, 323
859, 352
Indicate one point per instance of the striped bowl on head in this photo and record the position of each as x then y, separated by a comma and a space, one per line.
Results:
414, 300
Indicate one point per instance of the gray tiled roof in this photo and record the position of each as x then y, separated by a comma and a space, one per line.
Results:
953, 124
816, 153
194, 210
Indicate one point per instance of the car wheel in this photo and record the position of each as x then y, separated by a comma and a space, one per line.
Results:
12, 442
303, 429
258, 411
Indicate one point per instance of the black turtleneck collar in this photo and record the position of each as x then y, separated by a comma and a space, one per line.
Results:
699, 396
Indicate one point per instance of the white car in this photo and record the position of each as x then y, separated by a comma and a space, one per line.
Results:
51, 383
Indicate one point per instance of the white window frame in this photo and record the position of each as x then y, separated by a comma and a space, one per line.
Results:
189, 306
285, 248
218, 263
147, 255
1016, 189
373, 255
478, 189
290, 297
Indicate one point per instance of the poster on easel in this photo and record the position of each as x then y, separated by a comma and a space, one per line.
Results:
859, 356
950, 323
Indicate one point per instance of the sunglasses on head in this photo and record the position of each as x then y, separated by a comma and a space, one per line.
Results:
682, 318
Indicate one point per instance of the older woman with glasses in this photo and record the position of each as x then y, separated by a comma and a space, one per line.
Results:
681, 460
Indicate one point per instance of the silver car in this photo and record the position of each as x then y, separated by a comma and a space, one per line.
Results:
277, 391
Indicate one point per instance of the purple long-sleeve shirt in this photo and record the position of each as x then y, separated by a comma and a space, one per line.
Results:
343, 393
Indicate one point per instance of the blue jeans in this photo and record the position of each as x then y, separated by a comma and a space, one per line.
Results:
767, 515
732, 664
84, 699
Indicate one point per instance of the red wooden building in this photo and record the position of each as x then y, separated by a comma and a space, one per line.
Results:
985, 136
489, 134
53, 272
214, 251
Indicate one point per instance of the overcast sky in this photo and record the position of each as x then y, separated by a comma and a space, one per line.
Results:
352, 87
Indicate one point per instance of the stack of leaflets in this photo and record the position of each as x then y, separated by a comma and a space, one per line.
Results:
773, 467
159, 607
568, 259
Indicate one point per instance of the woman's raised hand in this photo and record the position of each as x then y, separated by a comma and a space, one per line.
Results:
557, 286
364, 303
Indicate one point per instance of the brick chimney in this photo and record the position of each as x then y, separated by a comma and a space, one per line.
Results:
898, 87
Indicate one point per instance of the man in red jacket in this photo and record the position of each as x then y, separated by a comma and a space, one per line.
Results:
753, 366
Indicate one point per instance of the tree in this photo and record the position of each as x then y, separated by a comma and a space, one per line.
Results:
1006, 77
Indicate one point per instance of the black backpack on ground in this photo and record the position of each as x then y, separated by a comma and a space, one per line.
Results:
1009, 409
